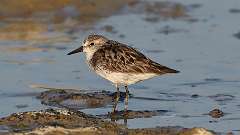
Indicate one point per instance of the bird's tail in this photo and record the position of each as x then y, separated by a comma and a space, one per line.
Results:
170, 70
163, 69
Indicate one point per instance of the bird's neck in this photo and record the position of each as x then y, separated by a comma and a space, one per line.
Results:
89, 53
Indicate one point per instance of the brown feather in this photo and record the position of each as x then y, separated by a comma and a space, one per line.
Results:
118, 57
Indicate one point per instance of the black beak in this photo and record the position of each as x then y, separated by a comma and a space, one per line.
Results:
80, 49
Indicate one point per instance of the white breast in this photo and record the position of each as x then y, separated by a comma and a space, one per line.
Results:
125, 78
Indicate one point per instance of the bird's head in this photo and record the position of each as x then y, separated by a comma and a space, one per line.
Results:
90, 43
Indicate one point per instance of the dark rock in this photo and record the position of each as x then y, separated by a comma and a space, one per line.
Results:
78, 99
216, 113
195, 96
27, 121
52, 121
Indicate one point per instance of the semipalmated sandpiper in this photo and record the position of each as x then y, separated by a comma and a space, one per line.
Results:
119, 63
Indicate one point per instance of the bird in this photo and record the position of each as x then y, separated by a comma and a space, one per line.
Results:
119, 63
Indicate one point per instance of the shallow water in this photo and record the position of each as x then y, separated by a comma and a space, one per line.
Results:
205, 50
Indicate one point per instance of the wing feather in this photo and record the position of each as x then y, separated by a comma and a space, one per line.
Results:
118, 57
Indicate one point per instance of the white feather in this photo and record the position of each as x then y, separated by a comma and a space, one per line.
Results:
125, 78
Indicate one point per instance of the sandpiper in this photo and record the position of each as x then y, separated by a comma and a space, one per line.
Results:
119, 63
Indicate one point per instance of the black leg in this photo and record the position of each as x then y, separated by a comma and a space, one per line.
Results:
126, 98
116, 99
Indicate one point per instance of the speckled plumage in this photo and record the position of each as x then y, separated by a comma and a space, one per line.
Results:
117, 57
119, 63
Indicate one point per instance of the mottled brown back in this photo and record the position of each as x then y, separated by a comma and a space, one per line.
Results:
118, 57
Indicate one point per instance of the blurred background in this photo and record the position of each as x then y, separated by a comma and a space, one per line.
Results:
201, 38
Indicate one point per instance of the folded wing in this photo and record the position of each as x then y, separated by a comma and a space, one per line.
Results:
117, 57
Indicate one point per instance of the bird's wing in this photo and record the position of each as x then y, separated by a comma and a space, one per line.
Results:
119, 57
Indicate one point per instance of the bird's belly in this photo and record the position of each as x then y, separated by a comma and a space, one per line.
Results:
125, 78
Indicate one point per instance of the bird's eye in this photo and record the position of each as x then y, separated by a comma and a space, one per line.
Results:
92, 44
